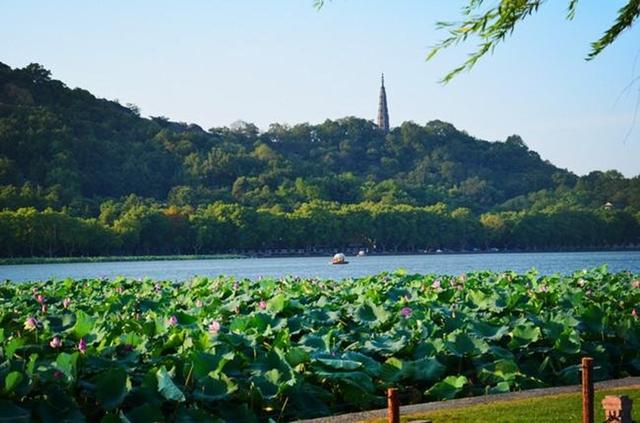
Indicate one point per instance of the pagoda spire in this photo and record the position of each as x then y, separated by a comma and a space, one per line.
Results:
383, 112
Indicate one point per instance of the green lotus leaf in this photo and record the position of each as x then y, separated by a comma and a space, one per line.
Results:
568, 342
146, 413
84, 324
66, 363
488, 331
426, 369
369, 313
499, 388
448, 388
357, 379
314, 343
12, 380
370, 365
167, 388
486, 301
111, 388
215, 387
13, 346
499, 371
309, 401
339, 363
277, 303
204, 363
524, 334
393, 370
461, 344
570, 375
385, 345
297, 356
268, 384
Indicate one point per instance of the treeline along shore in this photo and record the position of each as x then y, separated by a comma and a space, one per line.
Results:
84, 176
141, 229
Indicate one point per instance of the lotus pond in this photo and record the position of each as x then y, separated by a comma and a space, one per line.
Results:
282, 349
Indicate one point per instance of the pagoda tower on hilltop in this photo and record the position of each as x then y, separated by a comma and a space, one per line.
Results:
383, 112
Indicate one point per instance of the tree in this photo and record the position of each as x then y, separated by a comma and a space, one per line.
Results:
492, 26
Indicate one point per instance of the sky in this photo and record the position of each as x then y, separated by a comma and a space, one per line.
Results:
213, 62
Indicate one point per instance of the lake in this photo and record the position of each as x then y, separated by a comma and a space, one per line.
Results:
179, 270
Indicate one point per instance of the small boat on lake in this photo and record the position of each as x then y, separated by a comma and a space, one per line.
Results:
339, 259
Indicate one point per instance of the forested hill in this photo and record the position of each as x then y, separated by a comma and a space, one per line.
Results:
90, 148
66, 151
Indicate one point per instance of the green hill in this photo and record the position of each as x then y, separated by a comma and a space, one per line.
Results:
133, 180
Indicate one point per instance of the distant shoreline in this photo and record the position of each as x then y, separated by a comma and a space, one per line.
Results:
107, 259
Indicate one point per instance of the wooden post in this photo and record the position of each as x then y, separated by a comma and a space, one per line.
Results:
393, 406
587, 390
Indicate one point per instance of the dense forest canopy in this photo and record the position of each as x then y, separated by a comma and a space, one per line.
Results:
83, 175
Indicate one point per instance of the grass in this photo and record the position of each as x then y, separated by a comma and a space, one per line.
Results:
53, 260
554, 408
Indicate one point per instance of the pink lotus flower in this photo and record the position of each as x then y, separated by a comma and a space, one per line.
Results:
543, 288
581, 282
82, 346
214, 327
40, 298
44, 308
262, 305
66, 302
634, 313
31, 323
158, 287
635, 284
236, 285
406, 312
436, 284
55, 342
198, 303
173, 320
119, 290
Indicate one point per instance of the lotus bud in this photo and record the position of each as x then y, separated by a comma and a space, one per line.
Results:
55, 342
214, 327
406, 312
82, 346
31, 323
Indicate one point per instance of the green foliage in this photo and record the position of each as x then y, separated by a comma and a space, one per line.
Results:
491, 25
318, 347
82, 176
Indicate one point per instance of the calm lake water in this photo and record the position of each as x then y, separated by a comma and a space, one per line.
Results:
179, 270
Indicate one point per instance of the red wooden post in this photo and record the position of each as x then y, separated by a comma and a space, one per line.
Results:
587, 390
393, 406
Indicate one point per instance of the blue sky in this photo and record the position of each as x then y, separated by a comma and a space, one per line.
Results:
212, 62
